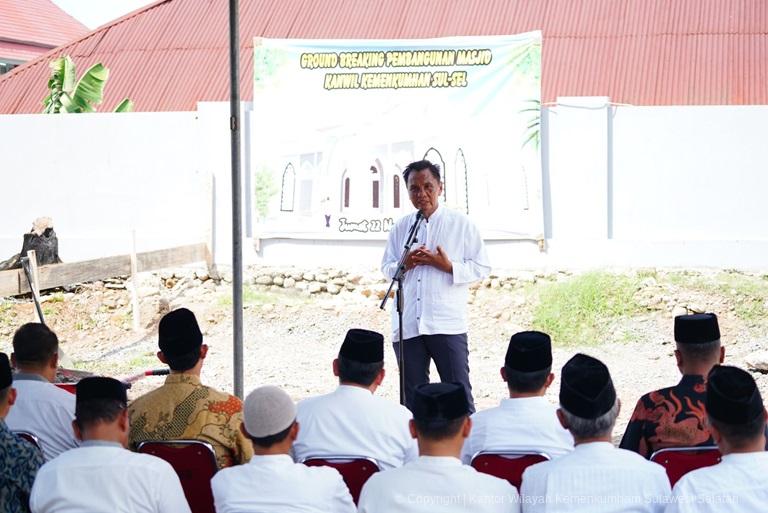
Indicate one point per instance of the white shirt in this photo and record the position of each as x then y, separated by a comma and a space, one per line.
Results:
596, 478
276, 484
431, 483
521, 424
102, 477
739, 483
435, 302
351, 421
44, 410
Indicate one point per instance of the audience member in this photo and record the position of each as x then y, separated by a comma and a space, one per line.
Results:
41, 407
351, 420
525, 421
437, 480
102, 475
184, 408
596, 476
271, 481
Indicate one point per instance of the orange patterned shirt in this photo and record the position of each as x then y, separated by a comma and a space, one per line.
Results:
183, 408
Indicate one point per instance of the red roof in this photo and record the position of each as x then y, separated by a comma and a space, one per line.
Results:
174, 53
29, 28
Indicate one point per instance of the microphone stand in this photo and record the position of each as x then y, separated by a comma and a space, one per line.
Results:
398, 278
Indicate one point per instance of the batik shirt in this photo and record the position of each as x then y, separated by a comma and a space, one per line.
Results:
670, 417
184, 409
19, 462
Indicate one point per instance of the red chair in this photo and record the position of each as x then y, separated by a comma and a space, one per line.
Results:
28, 437
508, 465
355, 470
678, 461
194, 462
69, 387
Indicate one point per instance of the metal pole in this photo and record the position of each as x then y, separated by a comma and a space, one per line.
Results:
237, 230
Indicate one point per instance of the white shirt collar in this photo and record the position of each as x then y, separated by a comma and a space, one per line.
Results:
439, 461
100, 443
436, 214
353, 390
594, 447
271, 459
24, 376
744, 457
509, 402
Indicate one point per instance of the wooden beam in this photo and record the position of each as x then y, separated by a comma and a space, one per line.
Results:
59, 275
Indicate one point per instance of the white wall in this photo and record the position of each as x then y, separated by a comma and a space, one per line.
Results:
99, 176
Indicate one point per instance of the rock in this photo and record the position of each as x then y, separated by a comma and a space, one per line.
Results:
163, 305
264, 279
487, 283
209, 285
332, 288
202, 275
166, 274
268, 307
355, 279
109, 303
315, 287
350, 286
757, 361
115, 286
321, 277
170, 283
302, 285
289, 283
147, 291
696, 308
366, 292
297, 275
647, 282
506, 316
495, 283
679, 310
278, 280
339, 281
308, 276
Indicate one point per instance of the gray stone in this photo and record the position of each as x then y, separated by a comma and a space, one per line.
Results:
332, 288
264, 279
679, 310
268, 307
302, 285
321, 277
757, 361
338, 281
316, 287
354, 279
350, 286
297, 276
495, 283
487, 282
289, 283
278, 280
202, 275
308, 276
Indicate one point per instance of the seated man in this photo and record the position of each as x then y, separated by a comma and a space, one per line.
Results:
352, 421
595, 477
19, 459
736, 418
41, 408
271, 481
526, 421
184, 408
674, 416
436, 480
101, 475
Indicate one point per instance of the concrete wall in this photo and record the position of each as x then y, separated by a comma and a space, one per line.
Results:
622, 186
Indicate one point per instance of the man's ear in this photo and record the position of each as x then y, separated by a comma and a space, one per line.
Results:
466, 428
412, 428
162, 358
294, 431
76, 429
561, 418
124, 421
13, 361
716, 435
54, 361
11, 396
336, 367
380, 376
549, 380
679, 358
722, 354
203, 351
503, 372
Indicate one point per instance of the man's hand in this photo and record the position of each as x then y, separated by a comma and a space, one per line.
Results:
438, 259
410, 260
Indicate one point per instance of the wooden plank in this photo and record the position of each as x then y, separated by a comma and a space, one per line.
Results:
59, 275
174, 257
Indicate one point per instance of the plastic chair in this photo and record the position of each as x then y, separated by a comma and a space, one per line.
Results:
194, 462
69, 387
28, 437
355, 470
508, 465
678, 461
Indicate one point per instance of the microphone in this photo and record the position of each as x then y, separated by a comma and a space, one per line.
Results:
419, 215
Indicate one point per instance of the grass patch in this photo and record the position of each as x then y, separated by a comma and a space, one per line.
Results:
582, 309
251, 297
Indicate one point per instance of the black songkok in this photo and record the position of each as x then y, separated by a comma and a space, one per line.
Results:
439, 403
100, 388
529, 351
6, 376
732, 396
179, 333
363, 346
586, 388
696, 328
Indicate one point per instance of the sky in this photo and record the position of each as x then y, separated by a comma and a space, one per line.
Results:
94, 13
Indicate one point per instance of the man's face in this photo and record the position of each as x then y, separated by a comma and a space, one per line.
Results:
424, 190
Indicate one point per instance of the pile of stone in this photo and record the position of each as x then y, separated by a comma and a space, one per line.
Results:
331, 281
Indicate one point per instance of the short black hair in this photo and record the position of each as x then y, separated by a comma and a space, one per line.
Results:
94, 411
526, 382
740, 435
183, 362
421, 165
35, 344
268, 441
437, 431
352, 371
700, 353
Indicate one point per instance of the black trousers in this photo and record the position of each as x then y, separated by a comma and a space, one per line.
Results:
451, 356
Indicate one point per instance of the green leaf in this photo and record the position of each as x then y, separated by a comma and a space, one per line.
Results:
125, 106
60, 84
89, 90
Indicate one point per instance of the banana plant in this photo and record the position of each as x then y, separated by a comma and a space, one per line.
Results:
68, 95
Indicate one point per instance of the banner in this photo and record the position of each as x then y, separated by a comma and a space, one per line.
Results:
335, 122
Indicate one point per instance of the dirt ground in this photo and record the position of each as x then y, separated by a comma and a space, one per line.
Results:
291, 338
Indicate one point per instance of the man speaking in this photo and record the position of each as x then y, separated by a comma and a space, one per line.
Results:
448, 256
